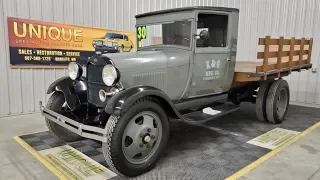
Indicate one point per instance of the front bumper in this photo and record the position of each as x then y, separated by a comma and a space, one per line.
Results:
82, 130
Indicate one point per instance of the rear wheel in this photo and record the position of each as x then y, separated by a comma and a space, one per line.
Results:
137, 138
261, 101
278, 101
57, 104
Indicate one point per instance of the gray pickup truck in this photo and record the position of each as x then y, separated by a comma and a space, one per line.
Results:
184, 69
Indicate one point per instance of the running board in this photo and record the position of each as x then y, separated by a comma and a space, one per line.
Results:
209, 113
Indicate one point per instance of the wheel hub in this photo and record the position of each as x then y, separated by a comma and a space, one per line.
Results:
146, 139
141, 137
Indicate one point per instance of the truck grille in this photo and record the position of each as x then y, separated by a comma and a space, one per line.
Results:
95, 84
94, 73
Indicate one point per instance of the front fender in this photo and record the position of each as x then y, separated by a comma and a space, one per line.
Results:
72, 90
124, 99
58, 84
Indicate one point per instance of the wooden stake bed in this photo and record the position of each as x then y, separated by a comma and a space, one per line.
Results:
279, 58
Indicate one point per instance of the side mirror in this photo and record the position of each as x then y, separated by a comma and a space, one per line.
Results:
204, 34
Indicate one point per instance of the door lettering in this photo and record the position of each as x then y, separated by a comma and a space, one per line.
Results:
213, 64
208, 64
212, 74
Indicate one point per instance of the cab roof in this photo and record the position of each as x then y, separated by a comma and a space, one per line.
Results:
212, 8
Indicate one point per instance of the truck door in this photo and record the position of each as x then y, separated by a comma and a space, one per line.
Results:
212, 56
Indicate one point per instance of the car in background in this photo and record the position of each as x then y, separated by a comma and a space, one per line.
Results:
118, 41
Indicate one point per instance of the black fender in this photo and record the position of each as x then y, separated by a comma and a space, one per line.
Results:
70, 88
124, 99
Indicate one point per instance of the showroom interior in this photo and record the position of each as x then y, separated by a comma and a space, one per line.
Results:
159, 89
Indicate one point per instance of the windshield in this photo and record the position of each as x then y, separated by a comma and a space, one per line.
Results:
167, 33
113, 36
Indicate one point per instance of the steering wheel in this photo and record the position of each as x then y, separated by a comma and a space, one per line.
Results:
180, 38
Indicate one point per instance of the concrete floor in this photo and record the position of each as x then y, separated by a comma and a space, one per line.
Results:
300, 160
16, 163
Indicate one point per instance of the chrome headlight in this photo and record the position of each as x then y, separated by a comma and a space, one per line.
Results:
109, 75
74, 70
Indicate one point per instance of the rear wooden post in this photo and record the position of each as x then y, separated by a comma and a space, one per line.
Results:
301, 53
280, 47
266, 55
310, 50
291, 53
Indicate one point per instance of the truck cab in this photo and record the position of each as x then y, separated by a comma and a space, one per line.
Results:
207, 34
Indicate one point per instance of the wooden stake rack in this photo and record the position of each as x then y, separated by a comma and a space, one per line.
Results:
279, 58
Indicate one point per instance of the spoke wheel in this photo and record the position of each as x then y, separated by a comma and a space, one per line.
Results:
139, 140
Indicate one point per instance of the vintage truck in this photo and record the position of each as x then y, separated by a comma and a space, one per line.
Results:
184, 69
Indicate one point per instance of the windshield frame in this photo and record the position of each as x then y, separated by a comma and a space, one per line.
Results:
167, 45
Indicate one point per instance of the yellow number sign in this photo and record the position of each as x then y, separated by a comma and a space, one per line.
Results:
142, 32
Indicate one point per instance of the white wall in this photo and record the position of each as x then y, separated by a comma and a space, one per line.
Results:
22, 89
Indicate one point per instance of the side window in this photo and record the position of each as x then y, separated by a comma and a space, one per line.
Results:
217, 27
126, 37
177, 33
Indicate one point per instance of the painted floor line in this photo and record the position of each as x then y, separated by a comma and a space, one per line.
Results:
256, 163
40, 131
40, 158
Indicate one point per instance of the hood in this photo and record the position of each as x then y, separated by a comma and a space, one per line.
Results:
146, 60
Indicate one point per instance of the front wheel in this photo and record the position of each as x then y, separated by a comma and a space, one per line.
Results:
57, 104
137, 138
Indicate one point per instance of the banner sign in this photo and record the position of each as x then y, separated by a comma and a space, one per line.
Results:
34, 42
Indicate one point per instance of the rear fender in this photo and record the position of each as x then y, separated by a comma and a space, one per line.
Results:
122, 101
72, 90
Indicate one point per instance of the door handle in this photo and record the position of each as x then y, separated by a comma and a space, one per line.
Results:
228, 59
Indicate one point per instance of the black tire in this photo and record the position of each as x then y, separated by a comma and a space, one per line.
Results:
115, 128
55, 103
261, 101
279, 87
